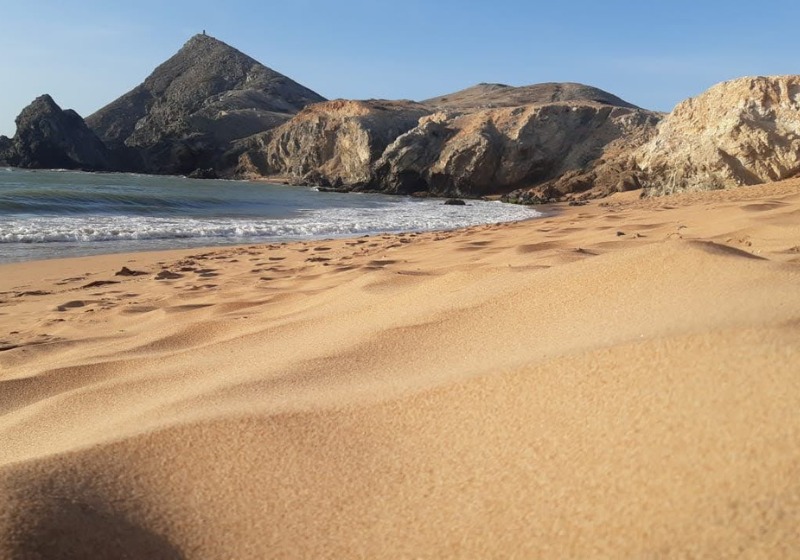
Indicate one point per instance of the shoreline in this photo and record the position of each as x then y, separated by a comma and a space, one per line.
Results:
118, 215
556, 387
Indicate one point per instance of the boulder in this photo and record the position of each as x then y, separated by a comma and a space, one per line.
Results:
207, 173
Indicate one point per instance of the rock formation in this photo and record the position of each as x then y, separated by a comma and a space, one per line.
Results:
741, 132
454, 145
212, 111
49, 137
190, 109
330, 144
495, 151
5, 150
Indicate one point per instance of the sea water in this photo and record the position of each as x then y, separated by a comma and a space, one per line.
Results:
53, 214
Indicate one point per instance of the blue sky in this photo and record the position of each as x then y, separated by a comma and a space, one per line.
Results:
652, 53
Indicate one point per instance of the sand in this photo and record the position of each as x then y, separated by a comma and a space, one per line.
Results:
615, 380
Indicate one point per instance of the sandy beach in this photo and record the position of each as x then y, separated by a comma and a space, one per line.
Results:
615, 380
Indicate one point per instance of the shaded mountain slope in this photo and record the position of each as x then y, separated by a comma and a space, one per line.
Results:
193, 105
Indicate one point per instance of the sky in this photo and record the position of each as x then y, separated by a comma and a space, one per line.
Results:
651, 53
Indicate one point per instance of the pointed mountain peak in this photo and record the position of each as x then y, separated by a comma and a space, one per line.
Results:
209, 92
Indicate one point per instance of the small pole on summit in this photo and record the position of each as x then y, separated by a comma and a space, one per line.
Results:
204, 31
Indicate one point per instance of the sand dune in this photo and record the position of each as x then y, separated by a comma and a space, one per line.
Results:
620, 379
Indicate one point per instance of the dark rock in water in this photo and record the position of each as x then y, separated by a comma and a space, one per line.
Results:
51, 138
187, 112
5, 150
454, 202
207, 173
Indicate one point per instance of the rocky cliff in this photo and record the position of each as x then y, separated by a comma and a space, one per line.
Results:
742, 132
331, 144
495, 151
190, 109
454, 145
49, 137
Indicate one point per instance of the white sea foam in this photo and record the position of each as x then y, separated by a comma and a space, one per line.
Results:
334, 222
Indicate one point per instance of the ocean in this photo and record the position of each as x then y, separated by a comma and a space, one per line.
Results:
55, 214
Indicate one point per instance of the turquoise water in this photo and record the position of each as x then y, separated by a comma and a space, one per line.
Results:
48, 214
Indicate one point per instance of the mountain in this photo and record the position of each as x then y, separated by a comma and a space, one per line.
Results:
49, 137
188, 111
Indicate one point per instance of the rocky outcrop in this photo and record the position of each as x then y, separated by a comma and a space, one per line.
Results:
454, 145
190, 109
541, 151
49, 137
330, 144
741, 132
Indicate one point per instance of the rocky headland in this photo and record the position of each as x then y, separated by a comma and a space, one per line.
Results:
50, 137
486, 140
212, 111
335, 143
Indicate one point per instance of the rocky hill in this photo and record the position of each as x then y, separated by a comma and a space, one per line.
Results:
454, 145
741, 132
484, 96
190, 109
49, 137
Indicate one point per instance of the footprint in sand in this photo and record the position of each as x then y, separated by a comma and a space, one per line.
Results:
98, 283
75, 304
168, 275
32, 293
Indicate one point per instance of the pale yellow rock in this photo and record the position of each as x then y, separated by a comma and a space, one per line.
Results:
741, 132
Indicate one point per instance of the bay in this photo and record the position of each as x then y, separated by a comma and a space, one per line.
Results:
50, 214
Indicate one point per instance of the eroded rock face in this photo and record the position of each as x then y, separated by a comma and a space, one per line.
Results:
490, 139
501, 150
189, 110
49, 137
742, 132
330, 144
